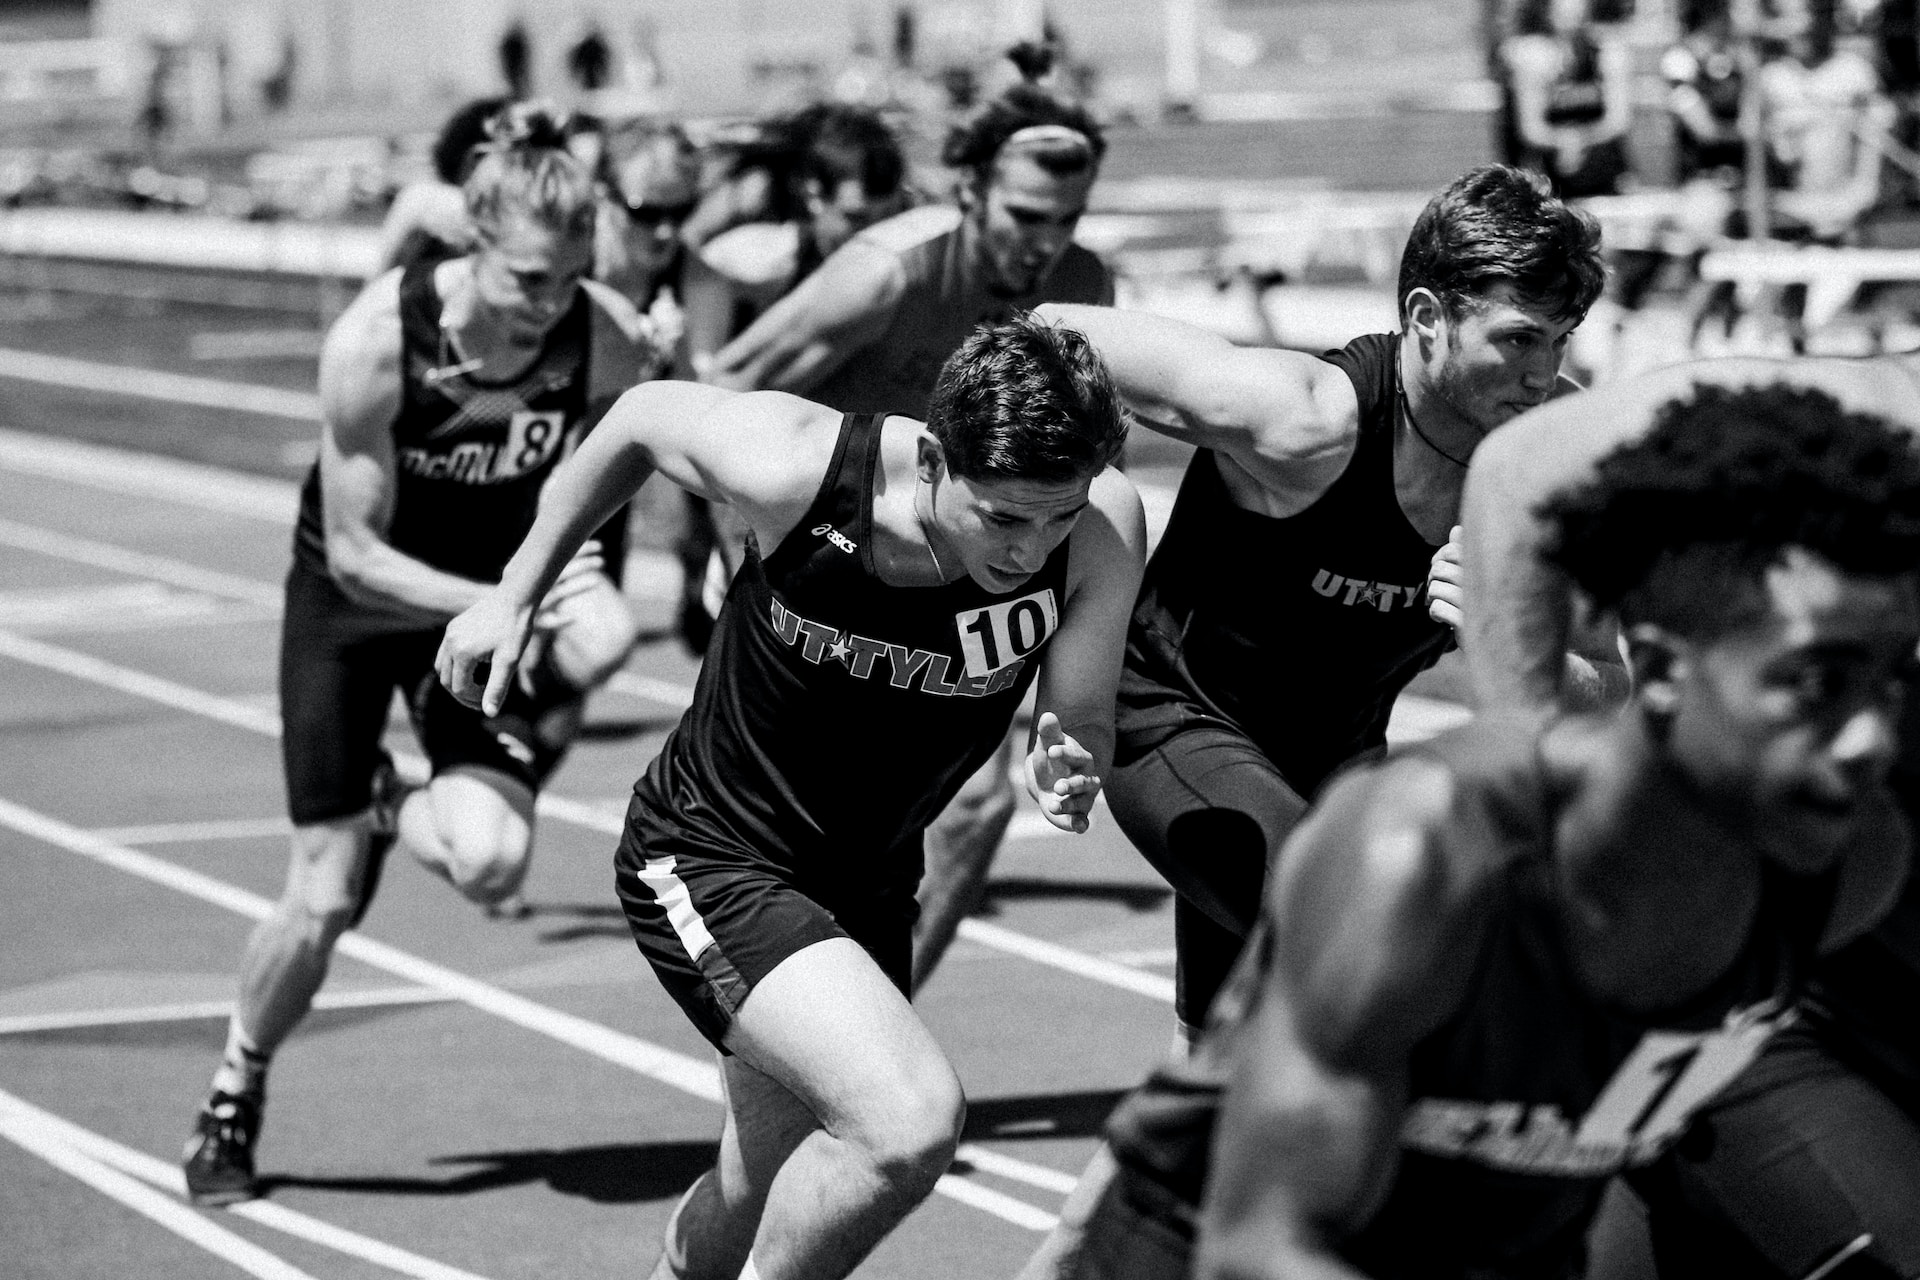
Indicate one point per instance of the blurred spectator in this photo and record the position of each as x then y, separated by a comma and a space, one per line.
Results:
1705, 87
1570, 83
1826, 126
428, 219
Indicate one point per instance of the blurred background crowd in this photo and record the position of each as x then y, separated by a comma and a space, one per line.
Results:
1756, 162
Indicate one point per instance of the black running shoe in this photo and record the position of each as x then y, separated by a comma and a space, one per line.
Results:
219, 1156
388, 791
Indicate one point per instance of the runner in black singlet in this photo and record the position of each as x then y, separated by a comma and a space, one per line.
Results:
1819, 1144
1307, 574
902, 585
449, 393
1505, 965
869, 331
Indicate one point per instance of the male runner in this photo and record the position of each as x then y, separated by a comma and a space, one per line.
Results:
1818, 1146
449, 392
903, 583
1339, 478
869, 331
1506, 964
1306, 574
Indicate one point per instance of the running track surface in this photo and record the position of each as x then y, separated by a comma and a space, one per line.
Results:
475, 1098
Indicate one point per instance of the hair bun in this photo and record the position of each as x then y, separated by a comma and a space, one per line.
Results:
530, 125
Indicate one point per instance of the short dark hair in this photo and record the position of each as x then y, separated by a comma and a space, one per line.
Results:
1026, 400
975, 145
464, 130
838, 142
1500, 225
1677, 527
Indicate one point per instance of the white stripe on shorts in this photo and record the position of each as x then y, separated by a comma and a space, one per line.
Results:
670, 891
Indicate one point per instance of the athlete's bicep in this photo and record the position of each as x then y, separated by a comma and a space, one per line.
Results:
1368, 939
1303, 1150
802, 339
360, 397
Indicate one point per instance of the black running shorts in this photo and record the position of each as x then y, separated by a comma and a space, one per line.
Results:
339, 665
713, 921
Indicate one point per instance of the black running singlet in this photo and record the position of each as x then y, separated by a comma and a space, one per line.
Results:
469, 455
1300, 630
835, 715
1524, 1102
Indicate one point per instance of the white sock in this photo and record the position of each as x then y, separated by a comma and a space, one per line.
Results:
243, 1065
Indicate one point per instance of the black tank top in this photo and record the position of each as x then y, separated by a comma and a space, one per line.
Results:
1299, 630
836, 715
1525, 1101
469, 455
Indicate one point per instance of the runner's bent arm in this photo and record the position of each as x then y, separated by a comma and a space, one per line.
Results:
1520, 608
763, 454
1368, 945
1080, 671
802, 339
1288, 419
360, 391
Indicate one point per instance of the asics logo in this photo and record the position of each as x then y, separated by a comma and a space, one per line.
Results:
834, 536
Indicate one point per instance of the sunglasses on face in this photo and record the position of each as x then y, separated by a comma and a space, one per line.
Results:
660, 215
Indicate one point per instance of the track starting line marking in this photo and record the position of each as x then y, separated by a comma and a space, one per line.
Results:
126, 1175
667, 1066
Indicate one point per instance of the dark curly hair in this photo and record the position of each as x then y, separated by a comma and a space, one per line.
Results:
1500, 225
975, 145
464, 130
1678, 526
1026, 400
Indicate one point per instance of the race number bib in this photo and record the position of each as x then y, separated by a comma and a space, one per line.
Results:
1668, 1076
532, 438
1002, 634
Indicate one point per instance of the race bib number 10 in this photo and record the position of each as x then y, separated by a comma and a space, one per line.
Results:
1002, 634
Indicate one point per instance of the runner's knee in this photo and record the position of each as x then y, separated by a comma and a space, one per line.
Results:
488, 864
915, 1131
323, 883
597, 632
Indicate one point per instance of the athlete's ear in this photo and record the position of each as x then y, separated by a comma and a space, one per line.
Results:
1425, 313
1659, 662
929, 461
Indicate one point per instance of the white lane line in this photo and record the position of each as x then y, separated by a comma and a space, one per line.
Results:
139, 564
80, 1019
84, 666
689, 1075
21, 1126
167, 1177
1152, 955
155, 384
664, 692
578, 812
998, 1203
148, 475
195, 832
1151, 985
1015, 1170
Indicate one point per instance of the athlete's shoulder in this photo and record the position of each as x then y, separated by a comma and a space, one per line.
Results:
1121, 526
367, 335
915, 229
754, 255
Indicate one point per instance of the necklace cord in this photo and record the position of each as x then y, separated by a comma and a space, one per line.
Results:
926, 533
1406, 411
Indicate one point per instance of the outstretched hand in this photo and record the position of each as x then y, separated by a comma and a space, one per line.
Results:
482, 647
1059, 774
1444, 583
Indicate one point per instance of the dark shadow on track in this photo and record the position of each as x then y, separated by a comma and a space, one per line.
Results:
1135, 897
628, 1174
593, 920
1041, 1115
625, 729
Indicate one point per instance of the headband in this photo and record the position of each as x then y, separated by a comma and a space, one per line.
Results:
1036, 136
